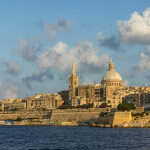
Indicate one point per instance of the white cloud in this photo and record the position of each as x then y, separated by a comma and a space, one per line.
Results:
49, 31
145, 84
144, 62
8, 90
142, 65
28, 49
126, 83
60, 58
137, 29
84, 53
86, 81
111, 42
12, 67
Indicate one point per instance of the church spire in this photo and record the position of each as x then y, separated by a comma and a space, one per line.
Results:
111, 66
73, 69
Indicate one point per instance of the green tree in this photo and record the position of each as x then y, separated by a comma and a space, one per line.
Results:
18, 119
103, 105
126, 106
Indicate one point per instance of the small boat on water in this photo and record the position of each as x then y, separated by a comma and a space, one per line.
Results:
6, 122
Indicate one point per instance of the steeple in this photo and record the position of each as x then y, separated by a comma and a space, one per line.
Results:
73, 69
111, 66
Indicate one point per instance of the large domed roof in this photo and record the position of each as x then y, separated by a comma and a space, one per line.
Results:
111, 75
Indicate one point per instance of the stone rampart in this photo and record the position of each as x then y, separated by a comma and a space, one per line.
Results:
12, 115
138, 110
107, 119
115, 118
68, 115
121, 117
57, 115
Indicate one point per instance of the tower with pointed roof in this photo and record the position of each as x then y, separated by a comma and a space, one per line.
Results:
73, 84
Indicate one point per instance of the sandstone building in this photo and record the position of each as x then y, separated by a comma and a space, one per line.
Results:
45, 101
110, 91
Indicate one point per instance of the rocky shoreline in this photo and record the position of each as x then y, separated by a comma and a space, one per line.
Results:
142, 122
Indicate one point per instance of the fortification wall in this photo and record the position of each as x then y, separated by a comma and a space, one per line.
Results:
115, 118
57, 115
121, 117
12, 115
138, 110
68, 115
74, 116
108, 119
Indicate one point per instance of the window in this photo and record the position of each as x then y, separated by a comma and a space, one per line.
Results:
75, 82
109, 101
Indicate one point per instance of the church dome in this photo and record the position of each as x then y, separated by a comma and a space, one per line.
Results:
111, 77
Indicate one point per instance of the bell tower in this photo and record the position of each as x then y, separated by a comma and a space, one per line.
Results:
73, 83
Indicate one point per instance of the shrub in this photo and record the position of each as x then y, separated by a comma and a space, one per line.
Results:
18, 119
126, 106
15, 109
64, 107
44, 109
85, 106
103, 105
147, 114
142, 114
102, 114
74, 107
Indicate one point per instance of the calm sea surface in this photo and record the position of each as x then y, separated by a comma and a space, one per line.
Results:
49, 137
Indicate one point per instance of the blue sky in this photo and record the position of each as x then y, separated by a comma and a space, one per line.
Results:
39, 39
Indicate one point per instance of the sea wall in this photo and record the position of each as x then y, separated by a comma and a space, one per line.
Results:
77, 115
57, 115
115, 118
107, 119
121, 117
12, 115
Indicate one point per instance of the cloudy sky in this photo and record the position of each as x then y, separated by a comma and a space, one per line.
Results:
40, 38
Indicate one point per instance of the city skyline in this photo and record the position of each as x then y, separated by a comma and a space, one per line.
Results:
40, 39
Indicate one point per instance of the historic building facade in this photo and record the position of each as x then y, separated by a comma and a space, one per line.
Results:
111, 91
45, 101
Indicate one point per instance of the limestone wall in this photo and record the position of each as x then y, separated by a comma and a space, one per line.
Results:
74, 116
115, 118
77, 115
108, 119
57, 115
12, 115
139, 110
121, 117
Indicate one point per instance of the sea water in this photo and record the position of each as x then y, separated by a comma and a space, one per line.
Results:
74, 138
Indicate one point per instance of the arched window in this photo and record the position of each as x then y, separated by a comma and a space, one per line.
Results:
75, 82
109, 101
